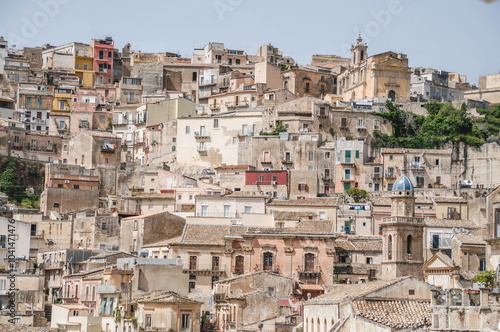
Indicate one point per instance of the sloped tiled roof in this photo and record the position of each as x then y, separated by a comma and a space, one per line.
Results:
330, 201
395, 314
163, 242
204, 234
359, 243
291, 215
164, 297
353, 291
302, 227
470, 239
450, 223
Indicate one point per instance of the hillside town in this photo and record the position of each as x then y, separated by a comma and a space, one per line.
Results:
241, 191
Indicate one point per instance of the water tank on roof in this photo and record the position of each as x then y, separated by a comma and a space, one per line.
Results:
143, 253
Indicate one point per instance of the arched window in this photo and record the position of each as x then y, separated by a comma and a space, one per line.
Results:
408, 244
268, 261
324, 326
362, 55
389, 247
392, 95
239, 264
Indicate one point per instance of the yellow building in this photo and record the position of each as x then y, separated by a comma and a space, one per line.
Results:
385, 75
84, 65
62, 100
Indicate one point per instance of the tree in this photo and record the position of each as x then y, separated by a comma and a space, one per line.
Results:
487, 277
356, 194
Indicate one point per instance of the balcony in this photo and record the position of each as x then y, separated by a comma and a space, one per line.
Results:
390, 176
266, 162
309, 272
273, 269
348, 163
48, 148
232, 105
220, 297
205, 272
327, 178
286, 161
376, 176
414, 220
416, 166
201, 136
347, 178
215, 108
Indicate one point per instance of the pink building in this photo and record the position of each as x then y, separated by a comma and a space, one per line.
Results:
103, 60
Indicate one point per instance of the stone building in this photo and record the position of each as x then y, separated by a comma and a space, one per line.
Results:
165, 311
401, 304
144, 229
402, 234
385, 75
248, 299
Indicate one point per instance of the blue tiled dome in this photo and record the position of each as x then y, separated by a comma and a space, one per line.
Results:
402, 183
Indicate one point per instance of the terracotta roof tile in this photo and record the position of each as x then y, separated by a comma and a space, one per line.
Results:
302, 227
164, 297
291, 215
395, 314
451, 223
329, 201
470, 239
353, 291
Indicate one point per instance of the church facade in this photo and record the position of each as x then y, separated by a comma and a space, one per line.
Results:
385, 75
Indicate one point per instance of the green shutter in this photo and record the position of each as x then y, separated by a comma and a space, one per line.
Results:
357, 154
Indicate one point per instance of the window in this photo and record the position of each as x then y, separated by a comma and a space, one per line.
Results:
327, 173
204, 210
307, 86
482, 264
192, 286
310, 156
147, 321
248, 209
347, 156
343, 123
185, 321
239, 264
302, 187
369, 260
327, 155
227, 209
309, 262
76, 186
56, 204
214, 280
188, 129
215, 263
322, 215
435, 241
244, 130
389, 247
411, 292
361, 123
216, 123
408, 244
3, 241
376, 124
193, 262
60, 185
268, 261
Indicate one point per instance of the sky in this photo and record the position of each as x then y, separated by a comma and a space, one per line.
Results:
452, 35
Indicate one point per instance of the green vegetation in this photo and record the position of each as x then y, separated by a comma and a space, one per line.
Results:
279, 128
445, 124
15, 175
487, 277
358, 195
490, 124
